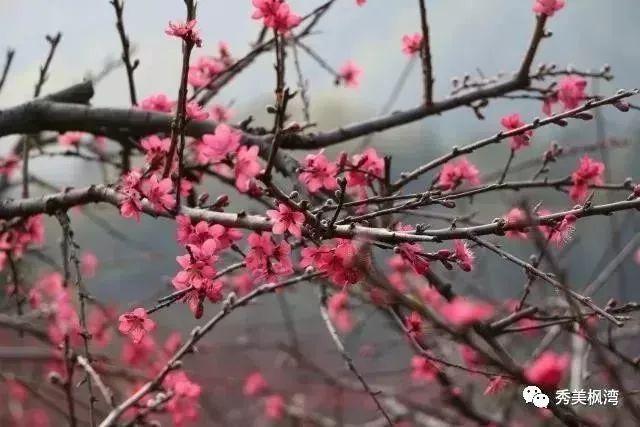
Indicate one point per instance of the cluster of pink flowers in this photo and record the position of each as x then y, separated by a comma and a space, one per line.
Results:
204, 71
223, 150
512, 122
275, 14
256, 385
158, 102
589, 172
412, 43
558, 233
156, 150
456, 173
570, 92
134, 187
318, 173
185, 31
183, 405
267, 260
197, 277
16, 238
339, 261
207, 68
50, 293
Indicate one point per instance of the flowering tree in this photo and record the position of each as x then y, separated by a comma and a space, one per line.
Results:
343, 226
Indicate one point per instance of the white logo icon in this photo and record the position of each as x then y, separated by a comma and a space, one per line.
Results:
533, 394
540, 400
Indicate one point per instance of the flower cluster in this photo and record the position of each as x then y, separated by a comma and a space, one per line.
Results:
185, 31
558, 233
512, 122
156, 190
16, 238
456, 173
338, 260
275, 14
589, 172
570, 92
412, 43
267, 260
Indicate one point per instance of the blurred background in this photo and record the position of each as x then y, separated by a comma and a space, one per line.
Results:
467, 36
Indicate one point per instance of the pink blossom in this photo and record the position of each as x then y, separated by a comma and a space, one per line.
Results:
221, 114
224, 236
350, 74
413, 323
254, 384
512, 122
338, 309
138, 354
411, 253
183, 406
465, 312
131, 204
361, 2
195, 112
547, 370
339, 262
186, 31
561, 232
136, 324
197, 266
88, 264
412, 43
275, 14
243, 284
548, 7
571, 91
365, 168
159, 102
71, 139
204, 72
589, 172
246, 167
261, 248
267, 260
423, 370
158, 192
222, 143
156, 149
318, 172
286, 219
274, 405
514, 217
131, 207
463, 255
8, 164
454, 174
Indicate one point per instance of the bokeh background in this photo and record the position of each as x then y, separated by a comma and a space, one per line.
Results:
467, 36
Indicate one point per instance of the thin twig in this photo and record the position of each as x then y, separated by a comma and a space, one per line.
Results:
348, 360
